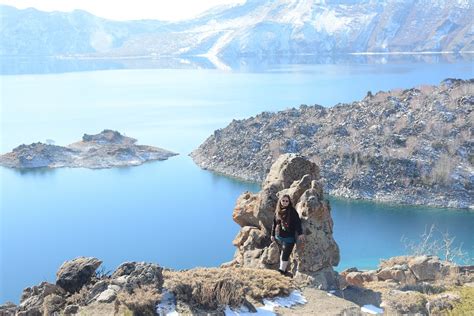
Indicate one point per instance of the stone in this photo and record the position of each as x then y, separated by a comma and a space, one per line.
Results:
139, 274
74, 274
245, 210
71, 309
355, 278
97, 288
424, 268
114, 287
33, 298
391, 274
8, 309
107, 296
298, 177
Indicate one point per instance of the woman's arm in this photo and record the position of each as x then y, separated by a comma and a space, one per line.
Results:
299, 230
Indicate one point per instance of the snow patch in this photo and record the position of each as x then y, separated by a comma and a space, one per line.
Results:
294, 298
329, 21
167, 305
371, 309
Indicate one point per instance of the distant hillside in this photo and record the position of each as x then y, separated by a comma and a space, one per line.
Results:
256, 28
31, 32
410, 146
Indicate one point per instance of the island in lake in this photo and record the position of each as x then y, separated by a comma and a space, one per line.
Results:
104, 150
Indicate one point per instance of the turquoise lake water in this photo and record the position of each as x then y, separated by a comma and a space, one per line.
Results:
172, 212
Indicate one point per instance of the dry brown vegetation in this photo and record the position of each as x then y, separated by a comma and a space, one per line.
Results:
211, 288
142, 301
442, 170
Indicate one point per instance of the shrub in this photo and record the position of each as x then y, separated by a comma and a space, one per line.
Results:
211, 288
142, 301
442, 169
434, 242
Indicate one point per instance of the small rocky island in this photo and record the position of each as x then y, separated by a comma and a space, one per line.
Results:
421, 285
412, 146
107, 149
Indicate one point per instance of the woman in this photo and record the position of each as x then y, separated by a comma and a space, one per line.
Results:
286, 230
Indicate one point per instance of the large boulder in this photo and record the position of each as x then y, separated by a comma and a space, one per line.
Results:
74, 274
298, 177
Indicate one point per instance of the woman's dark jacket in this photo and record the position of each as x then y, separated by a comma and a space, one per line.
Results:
294, 225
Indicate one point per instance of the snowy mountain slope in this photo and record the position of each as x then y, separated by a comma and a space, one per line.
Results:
260, 28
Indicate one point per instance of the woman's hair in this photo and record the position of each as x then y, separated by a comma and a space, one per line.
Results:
279, 207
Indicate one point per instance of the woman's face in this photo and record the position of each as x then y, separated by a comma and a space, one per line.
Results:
284, 202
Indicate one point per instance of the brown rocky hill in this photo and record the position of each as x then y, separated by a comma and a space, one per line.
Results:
412, 146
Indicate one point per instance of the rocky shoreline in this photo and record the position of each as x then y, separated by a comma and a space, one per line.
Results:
107, 149
411, 146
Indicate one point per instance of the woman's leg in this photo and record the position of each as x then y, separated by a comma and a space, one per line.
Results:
287, 248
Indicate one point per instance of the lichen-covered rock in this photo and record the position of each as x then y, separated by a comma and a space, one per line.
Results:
419, 269
139, 274
296, 176
8, 309
74, 274
34, 300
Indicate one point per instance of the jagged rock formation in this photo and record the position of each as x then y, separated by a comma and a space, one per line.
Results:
80, 290
409, 146
297, 177
104, 150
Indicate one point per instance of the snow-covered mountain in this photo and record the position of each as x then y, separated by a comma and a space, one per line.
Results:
255, 28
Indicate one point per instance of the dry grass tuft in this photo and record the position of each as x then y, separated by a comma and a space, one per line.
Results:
466, 305
209, 288
142, 301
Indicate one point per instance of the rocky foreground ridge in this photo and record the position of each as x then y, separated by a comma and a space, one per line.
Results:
104, 150
412, 146
420, 285
402, 285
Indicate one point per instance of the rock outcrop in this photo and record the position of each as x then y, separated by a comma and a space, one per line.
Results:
410, 284
410, 146
104, 150
79, 289
73, 275
137, 287
297, 177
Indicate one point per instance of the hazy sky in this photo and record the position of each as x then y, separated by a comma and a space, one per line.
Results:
126, 9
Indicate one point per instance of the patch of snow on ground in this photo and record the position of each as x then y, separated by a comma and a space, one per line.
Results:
297, 13
294, 298
329, 21
371, 309
167, 305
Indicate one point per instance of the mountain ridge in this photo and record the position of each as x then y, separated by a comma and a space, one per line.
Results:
254, 28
